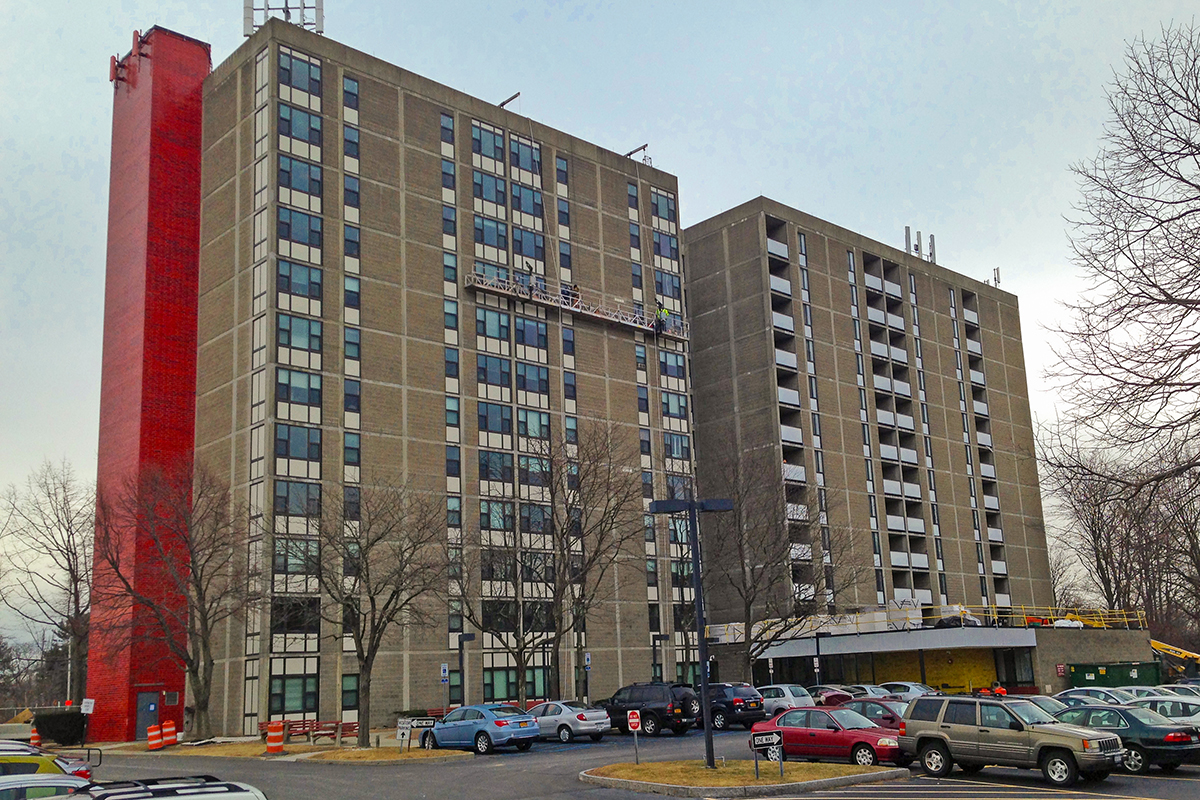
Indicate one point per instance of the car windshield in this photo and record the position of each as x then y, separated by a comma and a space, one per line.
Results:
506, 711
577, 706
1030, 713
798, 691
1148, 717
850, 719
1048, 704
1122, 695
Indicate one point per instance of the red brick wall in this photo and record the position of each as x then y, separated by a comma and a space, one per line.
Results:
148, 378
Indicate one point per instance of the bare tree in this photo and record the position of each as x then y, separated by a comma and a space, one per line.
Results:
47, 532
1064, 578
1130, 363
381, 565
190, 575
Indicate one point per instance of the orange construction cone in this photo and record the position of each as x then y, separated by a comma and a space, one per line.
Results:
154, 738
275, 736
168, 733
35, 738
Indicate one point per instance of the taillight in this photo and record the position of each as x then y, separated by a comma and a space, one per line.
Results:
1177, 736
901, 727
737, 701
581, 717
83, 772
500, 723
670, 707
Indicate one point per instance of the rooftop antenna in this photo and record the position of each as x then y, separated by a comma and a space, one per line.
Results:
509, 100
307, 14
636, 150
932, 251
907, 239
995, 276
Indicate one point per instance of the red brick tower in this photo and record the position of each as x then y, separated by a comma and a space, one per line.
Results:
148, 382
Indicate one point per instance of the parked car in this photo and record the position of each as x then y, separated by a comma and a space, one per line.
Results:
1091, 695
69, 764
830, 733
20, 787
829, 694
1046, 703
1142, 691
908, 691
1149, 738
734, 703
194, 787
567, 719
867, 690
884, 713
483, 728
662, 705
1184, 710
782, 696
1180, 689
29, 763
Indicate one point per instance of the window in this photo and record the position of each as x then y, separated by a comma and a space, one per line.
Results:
526, 200
569, 385
536, 518
299, 176
495, 418
491, 323
353, 449
452, 412
296, 226
635, 236
487, 142
568, 337
560, 170
926, 710
532, 378
299, 74
672, 365
447, 129
296, 499
488, 187
299, 333
455, 616
349, 692
353, 344
351, 141
295, 615
644, 441
299, 125
453, 461
571, 430
637, 275
491, 233
526, 156
666, 246
454, 512
648, 485
451, 362
496, 515
667, 284
674, 405
450, 314
564, 213
533, 471
494, 466
447, 174
528, 243
449, 220
493, 371
643, 399
564, 255
350, 241
352, 292
651, 572
293, 694
995, 717
679, 487
294, 386
534, 424
295, 556
681, 574
450, 267
662, 205
639, 355
350, 100
677, 530
959, 713
299, 280
685, 613
632, 191
350, 195
655, 618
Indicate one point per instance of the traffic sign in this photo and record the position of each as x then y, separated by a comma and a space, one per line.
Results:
587, 659
765, 740
423, 722
404, 727
635, 721
445, 670
88, 705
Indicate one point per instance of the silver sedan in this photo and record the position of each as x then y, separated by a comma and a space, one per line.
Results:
567, 719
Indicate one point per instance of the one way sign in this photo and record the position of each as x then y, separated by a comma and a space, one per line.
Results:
761, 741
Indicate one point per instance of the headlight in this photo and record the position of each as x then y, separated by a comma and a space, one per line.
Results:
886, 742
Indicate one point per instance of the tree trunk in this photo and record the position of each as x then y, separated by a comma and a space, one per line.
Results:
521, 667
556, 672
364, 703
580, 672
201, 721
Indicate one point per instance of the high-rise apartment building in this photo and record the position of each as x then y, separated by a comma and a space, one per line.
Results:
891, 386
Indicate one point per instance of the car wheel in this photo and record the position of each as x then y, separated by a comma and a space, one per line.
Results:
695, 707
525, 745
1098, 775
935, 760
1168, 768
1135, 760
863, 756
429, 741
483, 743
650, 725
595, 737
1058, 767
775, 753
719, 721
971, 769
565, 734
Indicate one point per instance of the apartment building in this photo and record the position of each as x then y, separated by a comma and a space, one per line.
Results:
888, 386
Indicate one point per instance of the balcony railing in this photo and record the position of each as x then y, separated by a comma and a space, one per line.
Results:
999, 568
985, 439
789, 397
797, 512
882, 382
987, 470
801, 552
781, 285
785, 359
889, 452
873, 282
916, 525
895, 522
783, 322
899, 355
791, 434
893, 487
908, 455
877, 315
879, 349
912, 490
895, 321
885, 417
981, 408
893, 288
995, 535
902, 388
777, 248
971, 316
923, 596
991, 502
977, 377
794, 473
974, 347
905, 421
899, 558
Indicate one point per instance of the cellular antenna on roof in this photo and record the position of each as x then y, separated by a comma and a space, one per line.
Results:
915, 250
309, 14
509, 100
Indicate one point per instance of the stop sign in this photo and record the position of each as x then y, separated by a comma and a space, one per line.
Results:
635, 720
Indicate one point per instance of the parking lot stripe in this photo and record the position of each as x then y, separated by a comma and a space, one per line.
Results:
1044, 790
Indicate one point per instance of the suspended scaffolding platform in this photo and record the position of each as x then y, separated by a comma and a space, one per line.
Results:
538, 289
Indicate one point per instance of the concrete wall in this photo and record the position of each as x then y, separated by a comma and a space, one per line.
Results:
1083, 646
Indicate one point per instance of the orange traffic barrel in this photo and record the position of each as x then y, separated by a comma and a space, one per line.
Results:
275, 736
35, 738
168, 733
154, 737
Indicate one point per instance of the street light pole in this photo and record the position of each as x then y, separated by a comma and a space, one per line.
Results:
463, 638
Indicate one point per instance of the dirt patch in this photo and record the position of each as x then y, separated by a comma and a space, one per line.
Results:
731, 773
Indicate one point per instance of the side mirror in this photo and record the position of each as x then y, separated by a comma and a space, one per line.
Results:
1016, 726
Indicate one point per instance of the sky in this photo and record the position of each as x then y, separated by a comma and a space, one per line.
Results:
959, 119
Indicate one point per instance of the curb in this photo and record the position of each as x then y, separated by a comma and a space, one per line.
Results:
742, 791
394, 762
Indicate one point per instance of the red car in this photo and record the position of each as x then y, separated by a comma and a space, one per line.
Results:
831, 733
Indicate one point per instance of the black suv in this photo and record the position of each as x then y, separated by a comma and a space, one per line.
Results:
735, 702
661, 706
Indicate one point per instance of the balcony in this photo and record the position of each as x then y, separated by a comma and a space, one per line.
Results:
916, 524
1003, 599
797, 512
999, 568
905, 421
912, 491
923, 596
900, 593
902, 388
877, 315
794, 473
899, 355
885, 417
996, 535
894, 488
895, 522
908, 455
974, 347
882, 382
781, 285
985, 439
783, 322
919, 560
801, 552
991, 502
981, 408
785, 359
971, 316
873, 282
977, 377
988, 471
788, 397
893, 289
889, 452
899, 558
777, 249
879, 349
895, 321
791, 434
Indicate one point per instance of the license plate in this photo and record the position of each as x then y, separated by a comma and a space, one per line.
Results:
524, 724
754, 704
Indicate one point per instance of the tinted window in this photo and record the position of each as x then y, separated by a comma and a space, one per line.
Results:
644, 694
507, 711
746, 691
926, 710
794, 719
18, 768
995, 717
959, 714
472, 714
539, 711
455, 715
799, 691
1148, 717
622, 696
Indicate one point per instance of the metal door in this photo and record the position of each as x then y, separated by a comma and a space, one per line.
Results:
147, 712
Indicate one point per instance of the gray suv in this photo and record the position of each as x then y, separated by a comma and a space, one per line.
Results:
973, 732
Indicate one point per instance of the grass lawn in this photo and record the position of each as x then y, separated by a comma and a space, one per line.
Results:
733, 773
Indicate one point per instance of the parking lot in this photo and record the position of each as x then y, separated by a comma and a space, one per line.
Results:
550, 770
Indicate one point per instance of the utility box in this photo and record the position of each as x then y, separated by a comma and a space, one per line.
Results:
1122, 673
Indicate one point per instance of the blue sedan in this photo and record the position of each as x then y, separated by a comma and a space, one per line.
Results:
483, 728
